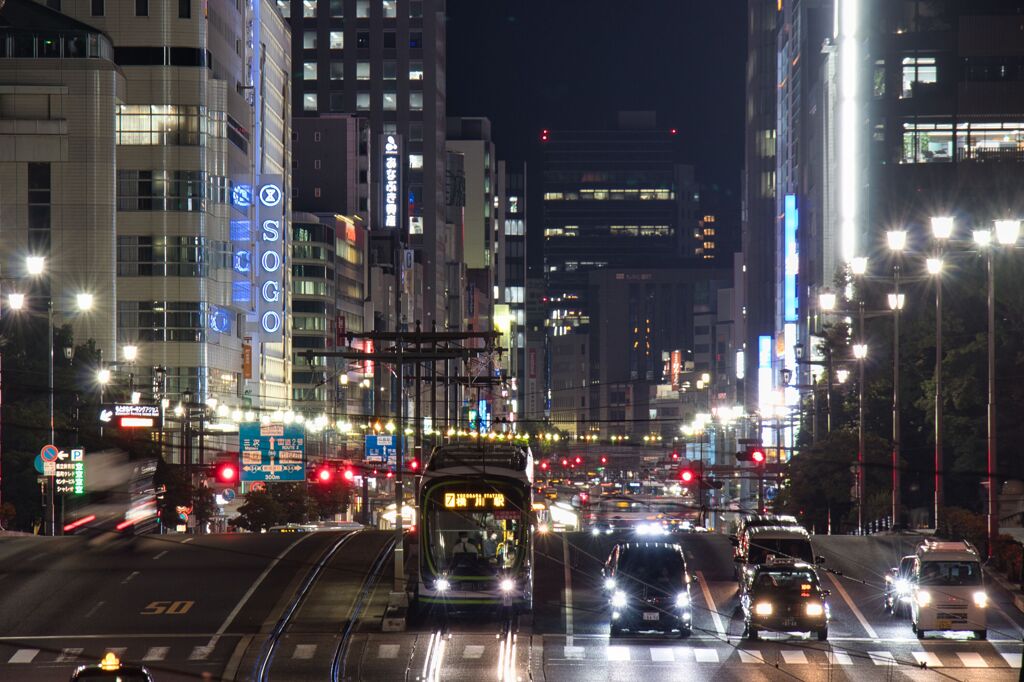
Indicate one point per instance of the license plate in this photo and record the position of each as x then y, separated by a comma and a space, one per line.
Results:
944, 624
651, 615
789, 622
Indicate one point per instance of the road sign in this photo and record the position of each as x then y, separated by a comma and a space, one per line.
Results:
49, 468
49, 453
272, 452
228, 494
381, 449
131, 416
70, 472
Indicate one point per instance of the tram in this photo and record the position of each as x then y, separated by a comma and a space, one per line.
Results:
476, 528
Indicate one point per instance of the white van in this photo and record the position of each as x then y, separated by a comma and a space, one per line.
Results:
948, 589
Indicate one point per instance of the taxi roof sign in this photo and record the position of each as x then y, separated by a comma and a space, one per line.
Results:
110, 662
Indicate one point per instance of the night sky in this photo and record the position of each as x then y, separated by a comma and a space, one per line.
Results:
571, 64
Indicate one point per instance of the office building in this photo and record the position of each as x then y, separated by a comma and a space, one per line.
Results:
382, 61
757, 301
515, 273
613, 198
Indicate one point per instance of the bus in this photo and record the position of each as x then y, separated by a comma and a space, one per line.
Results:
476, 528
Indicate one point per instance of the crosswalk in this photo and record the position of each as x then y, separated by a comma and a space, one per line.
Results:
585, 653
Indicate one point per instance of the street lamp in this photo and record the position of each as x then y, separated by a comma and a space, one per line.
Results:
1007, 232
860, 352
942, 230
897, 240
35, 265
84, 301
130, 353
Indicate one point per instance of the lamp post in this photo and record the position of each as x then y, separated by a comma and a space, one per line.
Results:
897, 240
942, 230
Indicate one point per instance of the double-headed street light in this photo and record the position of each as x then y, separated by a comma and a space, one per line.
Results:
897, 240
942, 231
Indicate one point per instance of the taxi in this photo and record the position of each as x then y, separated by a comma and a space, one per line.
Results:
785, 596
110, 669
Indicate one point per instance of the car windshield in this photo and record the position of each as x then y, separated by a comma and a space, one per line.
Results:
659, 568
781, 548
950, 573
789, 581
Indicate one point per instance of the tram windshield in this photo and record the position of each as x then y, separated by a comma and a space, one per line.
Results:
475, 532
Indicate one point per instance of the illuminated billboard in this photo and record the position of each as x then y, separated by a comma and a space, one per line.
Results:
270, 243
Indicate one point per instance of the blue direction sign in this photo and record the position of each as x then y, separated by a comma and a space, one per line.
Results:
272, 452
381, 449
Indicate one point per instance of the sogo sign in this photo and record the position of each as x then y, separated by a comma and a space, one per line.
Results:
270, 246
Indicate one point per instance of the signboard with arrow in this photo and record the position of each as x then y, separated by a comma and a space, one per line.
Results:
271, 452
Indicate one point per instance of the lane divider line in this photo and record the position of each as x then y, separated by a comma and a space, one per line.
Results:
568, 590
712, 607
853, 607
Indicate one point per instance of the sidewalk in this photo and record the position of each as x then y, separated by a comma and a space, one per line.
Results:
1014, 590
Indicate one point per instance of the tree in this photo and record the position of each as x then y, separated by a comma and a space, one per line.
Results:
259, 512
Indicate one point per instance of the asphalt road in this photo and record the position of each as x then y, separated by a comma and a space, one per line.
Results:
206, 608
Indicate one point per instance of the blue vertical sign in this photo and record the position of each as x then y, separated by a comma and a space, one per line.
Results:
271, 452
792, 256
382, 449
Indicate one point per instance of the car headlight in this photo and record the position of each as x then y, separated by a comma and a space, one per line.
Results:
683, 599
902, 586
442, 585
814, 609
980, 599
619, 599
609, 584
543, 528
763, 608
924, 598
595, 531
507, 584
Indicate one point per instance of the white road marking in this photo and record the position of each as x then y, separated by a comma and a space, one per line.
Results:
575, 653
882, 657
304, 651
793, 657
473, 651
660, 655
705, 655
69, 654
618, 653
751, 656
927, 658
971, 659
130, 576
252, 588
23, 656
156, 653
160, 554
187, 540
94, 609
853, 607
710, 602
567, 568
387, 651
839, 658
200, 653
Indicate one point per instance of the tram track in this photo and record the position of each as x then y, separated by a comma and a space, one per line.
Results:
369, 585
506, 666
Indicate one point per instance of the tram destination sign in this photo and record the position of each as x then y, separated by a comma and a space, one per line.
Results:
471, 500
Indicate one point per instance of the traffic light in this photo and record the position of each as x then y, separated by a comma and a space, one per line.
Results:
675, 456
414, 465
752, 453
578, 460
544, 465
324, 474
757, 455
225, 472
688, 476
349, 475
565, 463
604, 460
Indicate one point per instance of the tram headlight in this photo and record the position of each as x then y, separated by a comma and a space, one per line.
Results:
683, 599
442, 585
619, 599
507, 585
543, 528
609, 584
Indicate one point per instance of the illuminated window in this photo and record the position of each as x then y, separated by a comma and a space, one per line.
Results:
415, 161
362, 9
553, 196
363, 101
390, 8
416, 101
309, 101
309, 71
363, 71
390, 100
989, 141
917, 70
415, 71
308, 8
337, 40
927, 143
285, 8
309, 40
145, 124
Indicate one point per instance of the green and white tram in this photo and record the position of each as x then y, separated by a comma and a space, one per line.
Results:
476, 528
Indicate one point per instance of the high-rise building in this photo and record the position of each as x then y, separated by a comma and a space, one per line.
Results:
757, 294
57, 163
201, 152
515, 272
383, 61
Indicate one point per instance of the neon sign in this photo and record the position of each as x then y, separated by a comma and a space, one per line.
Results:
270, 250
391, 185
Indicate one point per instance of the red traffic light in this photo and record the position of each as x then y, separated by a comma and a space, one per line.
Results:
544, 466
324, 475
687, 476
757, 456
604, 460
349, 475
579, 460
227, 473
675, 455
565, 462
414, 465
